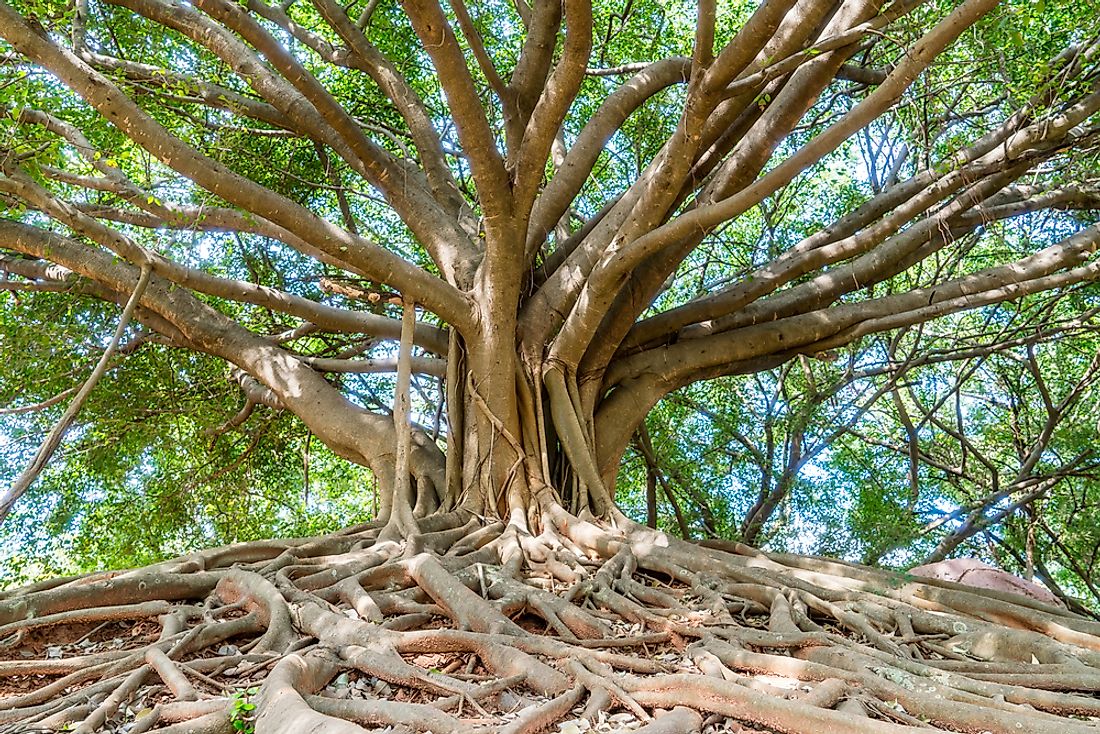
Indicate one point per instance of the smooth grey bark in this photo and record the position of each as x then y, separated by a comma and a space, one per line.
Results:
549, 364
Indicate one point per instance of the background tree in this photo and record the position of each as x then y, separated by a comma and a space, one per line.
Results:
921, 445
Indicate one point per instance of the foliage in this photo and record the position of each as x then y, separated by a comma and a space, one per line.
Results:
241, 710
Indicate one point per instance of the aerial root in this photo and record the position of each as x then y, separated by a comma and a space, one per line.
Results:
171, 674
497, 630
99, 716
97, 614
605, 680
543, 716
465, 607
418, 716
282, 708
680, 720
599, 701
261, 596
703, 693
565, 618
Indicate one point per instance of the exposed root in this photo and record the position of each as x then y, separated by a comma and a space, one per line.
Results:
492, 629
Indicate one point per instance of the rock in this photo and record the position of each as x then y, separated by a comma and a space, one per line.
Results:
972, 572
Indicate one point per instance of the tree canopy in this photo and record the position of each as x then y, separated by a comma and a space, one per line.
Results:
296, 169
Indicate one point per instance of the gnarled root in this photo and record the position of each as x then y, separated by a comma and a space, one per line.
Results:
463, 628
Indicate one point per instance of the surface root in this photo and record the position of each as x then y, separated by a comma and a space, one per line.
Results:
489, 629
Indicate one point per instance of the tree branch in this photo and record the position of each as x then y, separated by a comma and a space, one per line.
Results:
24, 481
367, 258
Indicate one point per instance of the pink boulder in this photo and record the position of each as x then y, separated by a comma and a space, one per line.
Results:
972, 572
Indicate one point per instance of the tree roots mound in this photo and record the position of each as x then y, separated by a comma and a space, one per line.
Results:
485, 628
